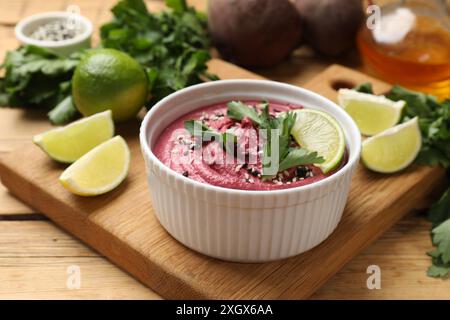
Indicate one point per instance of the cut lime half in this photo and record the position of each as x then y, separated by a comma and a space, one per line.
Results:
100, 170
373, 114
393, 149
318, 131
69, 143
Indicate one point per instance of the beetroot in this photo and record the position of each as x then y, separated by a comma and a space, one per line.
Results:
254, 33
331, 25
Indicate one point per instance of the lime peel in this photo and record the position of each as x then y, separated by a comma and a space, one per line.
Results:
373, 114
69, 143
393, 149
100, 170
318, 131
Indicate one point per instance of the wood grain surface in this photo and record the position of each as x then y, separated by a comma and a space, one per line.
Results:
121, 224
400, 252
35, 255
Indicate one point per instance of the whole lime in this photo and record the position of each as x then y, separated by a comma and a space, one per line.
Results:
109, 79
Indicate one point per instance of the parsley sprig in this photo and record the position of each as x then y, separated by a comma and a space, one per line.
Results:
199, 129
288, 157
439, 215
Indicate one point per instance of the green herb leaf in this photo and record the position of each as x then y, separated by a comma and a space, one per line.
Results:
440, 211
238, 110
282, 125
199, 129
438, 271
364, 88
298, 157
64, 112
441, 239
36, 78
178, 6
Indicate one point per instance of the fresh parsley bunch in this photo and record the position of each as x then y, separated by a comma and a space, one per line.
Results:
434, 122
36, 78
172, 46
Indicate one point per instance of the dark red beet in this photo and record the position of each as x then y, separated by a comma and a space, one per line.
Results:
331, 25
254, 33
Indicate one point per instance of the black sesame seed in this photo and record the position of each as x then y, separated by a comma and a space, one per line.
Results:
186, 174
254, 172
301, 172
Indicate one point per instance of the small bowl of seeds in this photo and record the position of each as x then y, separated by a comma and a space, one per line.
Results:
59, 32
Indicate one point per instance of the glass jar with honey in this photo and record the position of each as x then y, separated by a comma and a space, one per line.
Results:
409, 45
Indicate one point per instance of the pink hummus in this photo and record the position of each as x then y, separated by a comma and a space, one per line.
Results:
175, 148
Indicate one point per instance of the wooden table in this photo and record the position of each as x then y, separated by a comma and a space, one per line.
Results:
35, 254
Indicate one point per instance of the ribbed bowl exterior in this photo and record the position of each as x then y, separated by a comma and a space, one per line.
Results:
239, 225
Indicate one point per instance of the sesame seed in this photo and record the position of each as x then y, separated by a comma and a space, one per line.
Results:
55, 31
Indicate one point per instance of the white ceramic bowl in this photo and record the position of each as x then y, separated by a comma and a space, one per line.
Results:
26, 27
239, 225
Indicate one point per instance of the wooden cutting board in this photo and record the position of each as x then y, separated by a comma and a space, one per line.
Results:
121, 225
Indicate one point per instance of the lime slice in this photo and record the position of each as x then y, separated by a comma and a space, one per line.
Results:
100, 170
393, 149
318, 131
373, 114
69, 143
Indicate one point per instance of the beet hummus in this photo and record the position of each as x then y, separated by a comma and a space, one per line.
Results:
179, 150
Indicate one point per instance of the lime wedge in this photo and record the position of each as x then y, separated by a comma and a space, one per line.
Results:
318, 131
100, 170
393, 149
69, 143
373, 114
